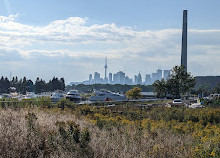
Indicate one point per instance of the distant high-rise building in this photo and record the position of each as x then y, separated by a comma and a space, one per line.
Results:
139, 79
159, 74
166, 74
148, 79
184, 41
154, 77
110, 78
135, 79
90, 77
116, 78
97, 78
121, 77
128, 81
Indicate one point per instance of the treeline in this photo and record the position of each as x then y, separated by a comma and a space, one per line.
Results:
115, 88
24, 85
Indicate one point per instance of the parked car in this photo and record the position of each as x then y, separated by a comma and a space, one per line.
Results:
177, 101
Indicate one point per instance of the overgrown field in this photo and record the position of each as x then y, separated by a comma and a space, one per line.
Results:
120, 131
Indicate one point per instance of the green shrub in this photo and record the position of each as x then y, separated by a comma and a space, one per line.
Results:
84, 138
44, 102
64, 103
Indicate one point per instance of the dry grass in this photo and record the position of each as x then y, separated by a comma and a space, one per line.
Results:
27, 133
17, 139
122, 144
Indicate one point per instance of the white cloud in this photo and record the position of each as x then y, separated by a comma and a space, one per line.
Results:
74, 40
8, 18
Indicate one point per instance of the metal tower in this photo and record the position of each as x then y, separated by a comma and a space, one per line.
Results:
105, 68
184, 41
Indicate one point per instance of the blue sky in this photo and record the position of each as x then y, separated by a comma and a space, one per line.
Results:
70, 39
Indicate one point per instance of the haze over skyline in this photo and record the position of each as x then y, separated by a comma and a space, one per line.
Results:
70, 39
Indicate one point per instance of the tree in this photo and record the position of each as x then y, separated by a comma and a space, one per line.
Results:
217, 88
204, 90
24, 85
4, 85
30, 86
62, 84
134, 93
180, 82
39, 85
160, 87
55, 84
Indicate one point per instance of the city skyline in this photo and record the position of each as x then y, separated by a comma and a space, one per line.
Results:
120, 77
70, 38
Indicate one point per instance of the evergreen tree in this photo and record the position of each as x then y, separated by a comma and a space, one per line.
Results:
62, 84
37, 85
160, 87
180, 82
30, 86
24, 85
4, 85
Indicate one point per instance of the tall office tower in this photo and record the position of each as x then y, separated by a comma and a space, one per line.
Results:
121, 77
106, 79
184, 41
154, 77
147, 79
128, 81
110, 78
97, 78
139, 80
90, 77
116, 78
159, 74
135, 79
166, 74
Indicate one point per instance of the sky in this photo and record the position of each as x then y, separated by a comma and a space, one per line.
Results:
72, 38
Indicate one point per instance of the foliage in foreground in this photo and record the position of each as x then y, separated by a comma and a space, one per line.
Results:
120, 131
23, 133
202, 125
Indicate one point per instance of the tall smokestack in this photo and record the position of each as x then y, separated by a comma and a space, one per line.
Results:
184, 41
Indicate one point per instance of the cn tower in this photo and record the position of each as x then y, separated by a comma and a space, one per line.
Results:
105, 68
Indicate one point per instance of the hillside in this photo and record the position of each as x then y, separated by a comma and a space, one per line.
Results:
210, 81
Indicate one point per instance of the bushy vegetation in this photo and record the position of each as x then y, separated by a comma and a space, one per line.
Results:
68, 130
37, 133
134, 93
201, 125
